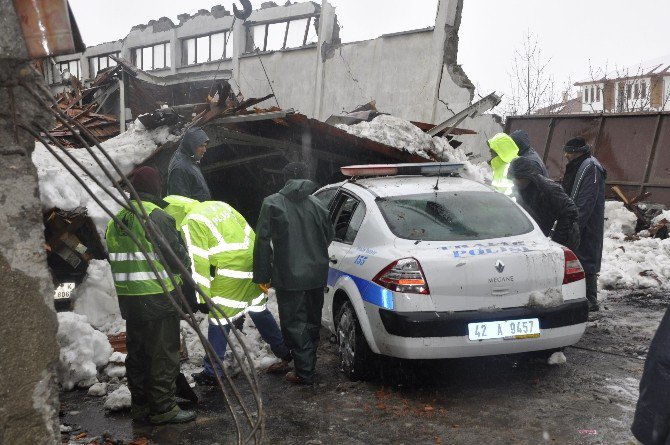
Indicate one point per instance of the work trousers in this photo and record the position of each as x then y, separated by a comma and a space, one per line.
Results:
592, 289
267, 327
300, 320
152, 363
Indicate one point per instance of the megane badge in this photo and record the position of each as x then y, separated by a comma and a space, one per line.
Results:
499, 266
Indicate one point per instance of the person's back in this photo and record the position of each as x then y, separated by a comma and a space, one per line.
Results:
298, 226
522, 140
545, 200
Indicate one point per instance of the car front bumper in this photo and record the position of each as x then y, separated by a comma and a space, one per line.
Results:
429, 335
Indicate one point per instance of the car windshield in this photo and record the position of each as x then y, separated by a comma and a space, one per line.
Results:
453, 216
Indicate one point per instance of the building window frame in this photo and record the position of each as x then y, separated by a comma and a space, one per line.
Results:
95, 61
139, 50
312, 20
60, 66
227, 34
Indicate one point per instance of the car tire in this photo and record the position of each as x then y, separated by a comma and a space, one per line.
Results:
356, 358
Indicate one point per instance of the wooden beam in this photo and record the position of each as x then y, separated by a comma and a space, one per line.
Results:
235, 162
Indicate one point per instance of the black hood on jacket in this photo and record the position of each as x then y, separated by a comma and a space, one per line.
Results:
194, 137
522, 168
298, 189
522, 140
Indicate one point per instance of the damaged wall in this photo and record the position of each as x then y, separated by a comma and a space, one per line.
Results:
28, 346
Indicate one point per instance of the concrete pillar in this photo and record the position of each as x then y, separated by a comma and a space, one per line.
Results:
28, 347
326, 30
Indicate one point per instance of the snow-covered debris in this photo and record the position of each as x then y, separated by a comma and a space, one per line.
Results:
557, 358
59, 189
83, 350
119, 399
550, 298
661, 216
96, 298
406, 136
632, 264
98, 390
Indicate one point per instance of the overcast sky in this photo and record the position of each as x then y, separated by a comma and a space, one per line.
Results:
612, 32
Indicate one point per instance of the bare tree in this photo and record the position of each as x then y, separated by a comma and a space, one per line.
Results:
531, 84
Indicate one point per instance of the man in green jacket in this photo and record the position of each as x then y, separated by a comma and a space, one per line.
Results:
291, 255
503, 151
152, 322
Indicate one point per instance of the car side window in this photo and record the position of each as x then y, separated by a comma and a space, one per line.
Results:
342, 214
326, 196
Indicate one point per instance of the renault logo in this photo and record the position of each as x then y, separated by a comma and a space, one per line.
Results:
500, 266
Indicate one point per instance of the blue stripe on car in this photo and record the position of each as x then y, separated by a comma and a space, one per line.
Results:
370, 292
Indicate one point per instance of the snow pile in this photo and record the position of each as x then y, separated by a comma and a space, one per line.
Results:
632, 264
406, 136
549, 298
98, 390
117, 365
59, 189
557, 358
83, 350
119, 399
96, 298
661, 216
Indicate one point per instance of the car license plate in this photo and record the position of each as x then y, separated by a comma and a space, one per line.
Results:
63, 291
514, 329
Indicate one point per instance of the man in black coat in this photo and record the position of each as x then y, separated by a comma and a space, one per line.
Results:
521, 139
651, 424
184, 175
291, 254
584, 181
546, 201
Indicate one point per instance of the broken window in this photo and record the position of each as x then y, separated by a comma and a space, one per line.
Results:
153, 57
71, 66
97, 63
282, 35
206, 48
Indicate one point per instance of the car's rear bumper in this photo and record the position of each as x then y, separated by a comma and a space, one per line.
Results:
445, 334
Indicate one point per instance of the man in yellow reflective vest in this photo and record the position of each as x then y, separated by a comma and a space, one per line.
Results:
503, 151
152, 322
220, 244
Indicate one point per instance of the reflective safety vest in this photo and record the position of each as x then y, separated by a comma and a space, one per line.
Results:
507, 151
221, 246
130, 268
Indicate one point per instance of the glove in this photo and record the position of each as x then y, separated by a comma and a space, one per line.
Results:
265, 287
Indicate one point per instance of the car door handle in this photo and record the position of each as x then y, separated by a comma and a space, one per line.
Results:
333, 259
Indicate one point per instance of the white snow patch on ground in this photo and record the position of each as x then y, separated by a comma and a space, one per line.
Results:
549, 298
83, 350
638, 264
557, 358
98, 390
59, 189
624, 392
119, 399
406, 136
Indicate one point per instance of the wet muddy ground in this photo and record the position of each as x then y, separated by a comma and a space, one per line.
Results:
493, 400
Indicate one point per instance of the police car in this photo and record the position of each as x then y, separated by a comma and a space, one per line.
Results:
428, 265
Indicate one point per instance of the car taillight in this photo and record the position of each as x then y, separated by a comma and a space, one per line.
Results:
573, 268
404, 275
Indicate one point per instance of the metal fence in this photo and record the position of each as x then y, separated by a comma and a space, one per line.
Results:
633, 147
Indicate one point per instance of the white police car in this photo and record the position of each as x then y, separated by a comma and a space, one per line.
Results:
426, 269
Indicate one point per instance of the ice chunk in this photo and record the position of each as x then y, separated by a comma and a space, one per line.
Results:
557, 358
119, 399
98, 390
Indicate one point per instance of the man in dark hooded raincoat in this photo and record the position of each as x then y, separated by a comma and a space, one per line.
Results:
546, 201
184, 175
522, 140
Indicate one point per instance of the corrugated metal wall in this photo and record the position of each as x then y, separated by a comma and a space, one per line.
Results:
633, 147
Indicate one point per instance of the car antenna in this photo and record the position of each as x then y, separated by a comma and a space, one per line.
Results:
439, 173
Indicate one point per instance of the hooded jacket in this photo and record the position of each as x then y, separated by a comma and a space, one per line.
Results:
651, 424
521, 139
184, 175
292, 238
547, 203
587, 190
506, 150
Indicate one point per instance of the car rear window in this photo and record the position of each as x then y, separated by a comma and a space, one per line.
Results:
453, 216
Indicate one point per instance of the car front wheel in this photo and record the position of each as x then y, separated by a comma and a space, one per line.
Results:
356, 359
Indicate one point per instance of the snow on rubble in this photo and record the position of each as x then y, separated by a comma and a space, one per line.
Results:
406, 136
632, 264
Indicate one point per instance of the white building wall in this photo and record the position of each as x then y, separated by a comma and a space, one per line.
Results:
594, 101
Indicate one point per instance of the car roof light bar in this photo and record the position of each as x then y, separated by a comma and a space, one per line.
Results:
422, 169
